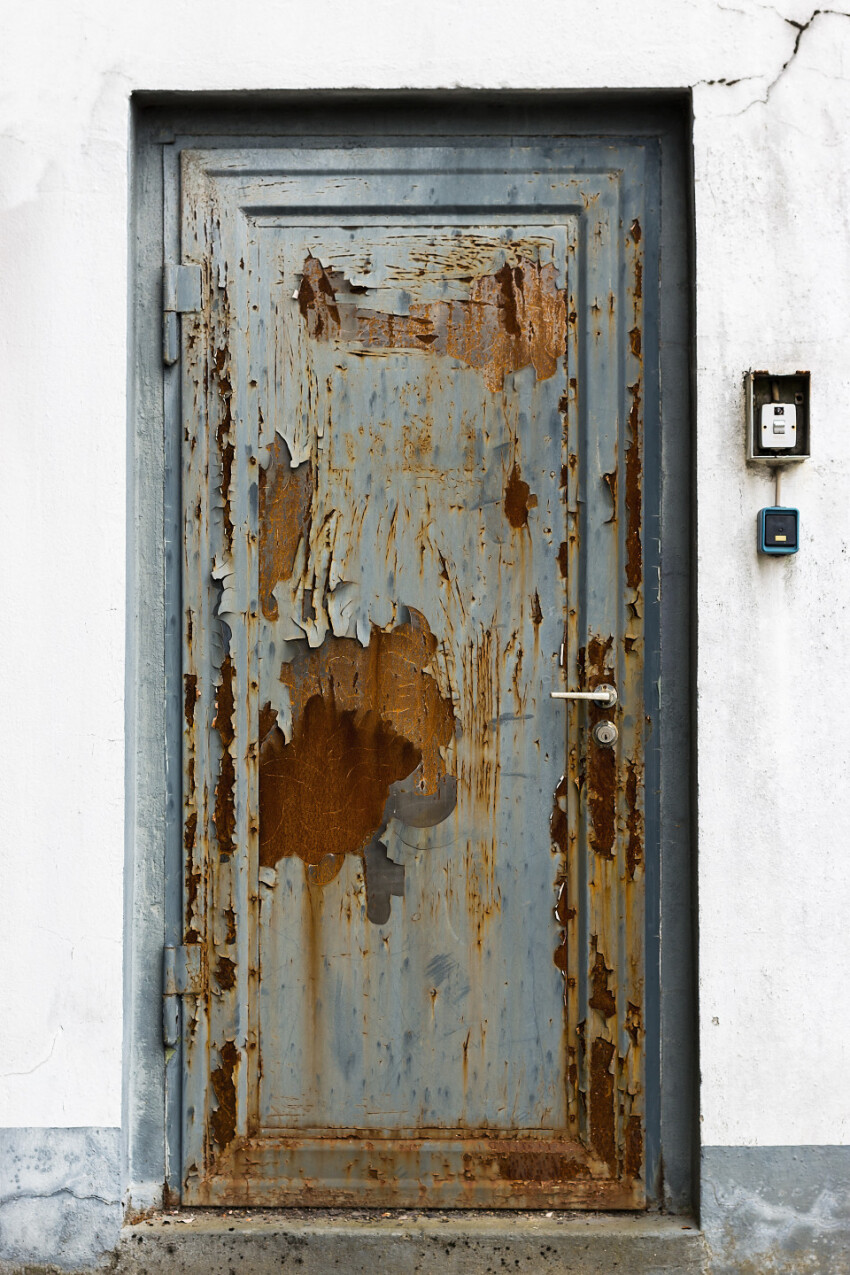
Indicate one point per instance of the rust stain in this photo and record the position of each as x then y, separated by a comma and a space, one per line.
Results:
558, 828
225, 973
224, 814
635, 231
317, 300
635, 342
368, 728
601, 762
230, 922
634, 843
389, 678
601, 996
286, 496
563, 559
225, 445
223, 1119
513, 318
634, 1022
633, 1152
602, 1114
638, 290
325, 791
190, 683
601, 799
536, 609
540, 1166
634, 551
518, 499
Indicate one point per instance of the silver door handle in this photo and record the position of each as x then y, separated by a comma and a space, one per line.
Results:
603, 694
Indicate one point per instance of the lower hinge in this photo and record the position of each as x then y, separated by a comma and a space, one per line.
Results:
181, 294
182, 975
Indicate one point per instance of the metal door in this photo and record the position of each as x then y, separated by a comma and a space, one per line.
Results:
413, 401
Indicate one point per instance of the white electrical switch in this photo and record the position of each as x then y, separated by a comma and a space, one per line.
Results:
778, 425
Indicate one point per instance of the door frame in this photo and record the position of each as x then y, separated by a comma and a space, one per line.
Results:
161, 125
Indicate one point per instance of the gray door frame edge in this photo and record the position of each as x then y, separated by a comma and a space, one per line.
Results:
160, 125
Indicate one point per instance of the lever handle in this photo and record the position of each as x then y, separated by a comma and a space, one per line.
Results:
603, 694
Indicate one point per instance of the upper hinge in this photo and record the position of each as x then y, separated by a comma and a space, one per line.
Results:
181, 294
182, 975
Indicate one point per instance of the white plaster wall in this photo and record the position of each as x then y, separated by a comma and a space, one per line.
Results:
772, 158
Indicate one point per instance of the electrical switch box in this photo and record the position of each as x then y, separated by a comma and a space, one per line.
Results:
778, 426
778, 530
777, 417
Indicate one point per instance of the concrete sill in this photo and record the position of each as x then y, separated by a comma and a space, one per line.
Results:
370, 1242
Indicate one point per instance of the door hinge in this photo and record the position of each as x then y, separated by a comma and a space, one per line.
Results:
181, 294
182, 975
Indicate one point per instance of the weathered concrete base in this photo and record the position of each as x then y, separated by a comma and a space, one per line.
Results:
777, 1210
404, 1243
60, 1199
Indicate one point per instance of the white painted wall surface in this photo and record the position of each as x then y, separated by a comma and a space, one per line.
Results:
772, 164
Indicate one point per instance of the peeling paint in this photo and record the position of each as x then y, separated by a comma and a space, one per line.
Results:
514, 318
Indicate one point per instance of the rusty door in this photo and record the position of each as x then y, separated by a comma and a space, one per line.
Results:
413, 402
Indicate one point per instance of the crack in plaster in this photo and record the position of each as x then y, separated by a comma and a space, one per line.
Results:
7, 1074
800, 27
17, 1196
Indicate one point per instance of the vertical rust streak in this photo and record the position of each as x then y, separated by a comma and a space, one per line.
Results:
223, 1119
634, 551
602, 1115
633, 1153
224, 815
190, 682
224, 441
634, 843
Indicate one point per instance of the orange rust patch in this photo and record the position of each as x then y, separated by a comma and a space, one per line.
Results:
601, 997
225, 973
518, 499
325, 790
514, 318
562, 559
634, 551
223, 1119
386, 678
634, 843
602, 1114
635, 342
635, 230
224, 814
286, 496
230, 922
633, 1154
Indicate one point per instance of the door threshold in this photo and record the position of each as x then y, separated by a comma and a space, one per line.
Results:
402, 1241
